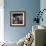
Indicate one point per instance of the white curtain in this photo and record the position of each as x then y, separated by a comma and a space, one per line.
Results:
1, 20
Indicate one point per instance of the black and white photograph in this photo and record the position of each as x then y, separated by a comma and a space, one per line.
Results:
17, 18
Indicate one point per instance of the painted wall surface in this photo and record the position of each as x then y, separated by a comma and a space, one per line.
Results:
43, 6
30, 6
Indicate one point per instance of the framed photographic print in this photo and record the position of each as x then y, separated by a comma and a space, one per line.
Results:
17, 18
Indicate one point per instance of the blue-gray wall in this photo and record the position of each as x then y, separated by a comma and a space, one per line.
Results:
30, 6
43, 6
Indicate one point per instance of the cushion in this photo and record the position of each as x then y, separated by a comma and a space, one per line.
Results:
20, 42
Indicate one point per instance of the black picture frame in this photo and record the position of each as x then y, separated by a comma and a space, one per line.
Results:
17, 18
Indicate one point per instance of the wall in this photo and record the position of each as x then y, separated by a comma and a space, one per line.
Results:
30, 6
43, 6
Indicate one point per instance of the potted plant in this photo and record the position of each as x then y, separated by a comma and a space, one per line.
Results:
39, 16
